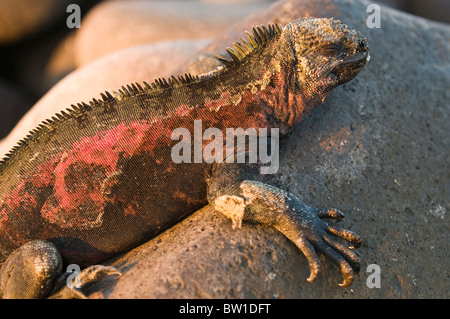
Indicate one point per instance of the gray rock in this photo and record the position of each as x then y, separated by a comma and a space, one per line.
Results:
396, 4
437, 10
432, 9
377, 149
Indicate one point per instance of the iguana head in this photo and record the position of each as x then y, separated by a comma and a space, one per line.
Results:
326, 52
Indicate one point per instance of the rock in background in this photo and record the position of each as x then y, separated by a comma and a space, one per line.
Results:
25, 18
14, 104
113, 25
35, 52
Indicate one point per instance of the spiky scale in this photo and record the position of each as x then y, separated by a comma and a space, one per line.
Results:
233, 54
139, 87
242, 51
130, 90
147, 86
252, 40
278, 28
262, 35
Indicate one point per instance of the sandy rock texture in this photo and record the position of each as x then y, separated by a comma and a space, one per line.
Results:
377, 149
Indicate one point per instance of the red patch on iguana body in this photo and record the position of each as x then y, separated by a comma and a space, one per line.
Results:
76, 177
77, 199
182, 110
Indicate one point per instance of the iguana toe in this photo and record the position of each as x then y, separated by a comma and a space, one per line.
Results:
76, 283
345, 234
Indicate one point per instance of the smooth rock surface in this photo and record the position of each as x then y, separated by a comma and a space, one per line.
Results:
377, 149
114, 25
438, 10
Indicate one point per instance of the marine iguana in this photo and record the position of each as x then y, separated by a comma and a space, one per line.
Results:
98, 179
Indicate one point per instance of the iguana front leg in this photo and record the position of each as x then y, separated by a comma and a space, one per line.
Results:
235, 191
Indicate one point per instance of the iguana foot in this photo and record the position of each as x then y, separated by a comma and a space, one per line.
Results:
35, 271
311, 234
305, 226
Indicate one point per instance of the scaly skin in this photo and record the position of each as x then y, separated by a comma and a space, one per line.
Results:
99, 179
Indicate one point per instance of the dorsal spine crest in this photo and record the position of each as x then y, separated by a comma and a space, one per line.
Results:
261, 36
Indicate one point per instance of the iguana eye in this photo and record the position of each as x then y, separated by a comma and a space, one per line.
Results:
331, 49
362, 45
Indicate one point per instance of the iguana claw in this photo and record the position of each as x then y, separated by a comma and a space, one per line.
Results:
312, 235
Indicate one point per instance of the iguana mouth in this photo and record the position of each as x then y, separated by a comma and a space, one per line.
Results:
350, 65
356, 60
